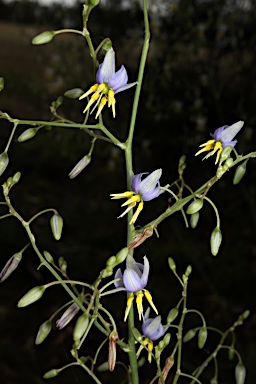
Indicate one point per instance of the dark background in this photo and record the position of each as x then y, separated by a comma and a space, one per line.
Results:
200, 75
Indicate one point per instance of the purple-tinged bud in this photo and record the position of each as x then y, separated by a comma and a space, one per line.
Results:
239, 173
172, 315
43, 38
51, 373
194, 219
79, 167
31, 296
43, 332
4, 161
67, 316
81, 326
56, 226
189, 335
195, 206
10, 266
202, 336
27, 135
215, 242
240, 373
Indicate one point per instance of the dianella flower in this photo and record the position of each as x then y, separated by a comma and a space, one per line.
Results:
108, 84
152, 330
133, 280
221, 138
142, 190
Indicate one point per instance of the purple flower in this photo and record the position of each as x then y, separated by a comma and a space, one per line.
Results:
108, 83
152, 327
142, 190
221, 138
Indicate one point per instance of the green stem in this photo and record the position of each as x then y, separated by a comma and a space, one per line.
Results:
16, 123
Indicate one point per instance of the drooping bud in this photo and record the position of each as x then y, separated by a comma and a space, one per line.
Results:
113, 338
74, 93
81, 326
56, 226
43, 332
194, 219
79, 167
215, 242
172, 315
51, 373
240, 373
195, 206
239, 173
10, 266
67, 316
4, 161
28, 134
43, 38
202, 336
31, 296
189, 335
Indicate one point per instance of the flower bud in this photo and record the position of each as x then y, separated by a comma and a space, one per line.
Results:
188, 271
194, 219
81, 326
31, 296
10, 266
195, 206
111, 261
172, 315
231, 352
56, 225
202, 336
182, 164
228, 163
43, 332
160, 345
62, 264
74, 93
67, 316
103, 367
189, 335
121, 255
172, 264
51, 373
141, 362
16, 178
43, 38
239, 173
136, 334
48, 257
215, 242
4, 161
79, 167
240, 373
94, 3
225, 153
106, 46
1, 83
167, 339
28, 134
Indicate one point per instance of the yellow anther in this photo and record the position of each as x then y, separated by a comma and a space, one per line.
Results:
150, 349
92, 100
149, 299
101, 106
122, 195
137, 212
131, 206
91, 90
102, 88
139, 297
213, 146
128, 306
111, 97
133, 199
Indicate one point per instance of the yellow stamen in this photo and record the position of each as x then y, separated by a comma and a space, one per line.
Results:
149, 299
102, 88
101, 106
122, 195
93, 98
112, 101
213, 146
139, 297
128, 307
133, 199
132, 205
150, 349
91, 90
137, 212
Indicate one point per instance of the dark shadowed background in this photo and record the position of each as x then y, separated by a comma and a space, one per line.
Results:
200, 75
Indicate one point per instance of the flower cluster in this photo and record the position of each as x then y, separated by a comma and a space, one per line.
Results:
108, 84
142, 190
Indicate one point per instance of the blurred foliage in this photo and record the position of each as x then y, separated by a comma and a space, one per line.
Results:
200, 75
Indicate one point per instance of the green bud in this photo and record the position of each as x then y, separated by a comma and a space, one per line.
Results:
202, 336
103, 367
215, 242
239, 173
214, 381
43, 332
74, 93
141, 362
62, 264
109, 269
136, 334
1, 83
51, 373
121, 255
4, 161
194, 219
231, 352
94, 3
240, 373
245, 314
56, 225
220, 172
80, 166
106, 46
48, 257
43, 38
188, 271
111, 261
228, 163
225, 153
160, 345
195, 206
31, 296
172, 315
189, 335
167, 339
16, 178
10, 266
182, 164
28, 134
81, 326
172, 264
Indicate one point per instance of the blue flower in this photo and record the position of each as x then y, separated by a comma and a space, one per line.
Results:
142, 190
222, 138
108, 84
133, 280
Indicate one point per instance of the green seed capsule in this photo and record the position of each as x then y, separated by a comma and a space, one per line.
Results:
28, 134
31, 296
43, 332
189, 335
215, 241
195, 206
239, 173
81, 326
194, 219
202, 336
43, 38
51, 373
56, 225
172, 315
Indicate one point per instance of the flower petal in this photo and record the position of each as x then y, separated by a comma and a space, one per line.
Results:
152, 194
150, 182
107, 68
131, 280
132, 264
218, 133
125, 87
231, 143
136, 181
229, 133
153, 328
118, 80
144, 277
119, 275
